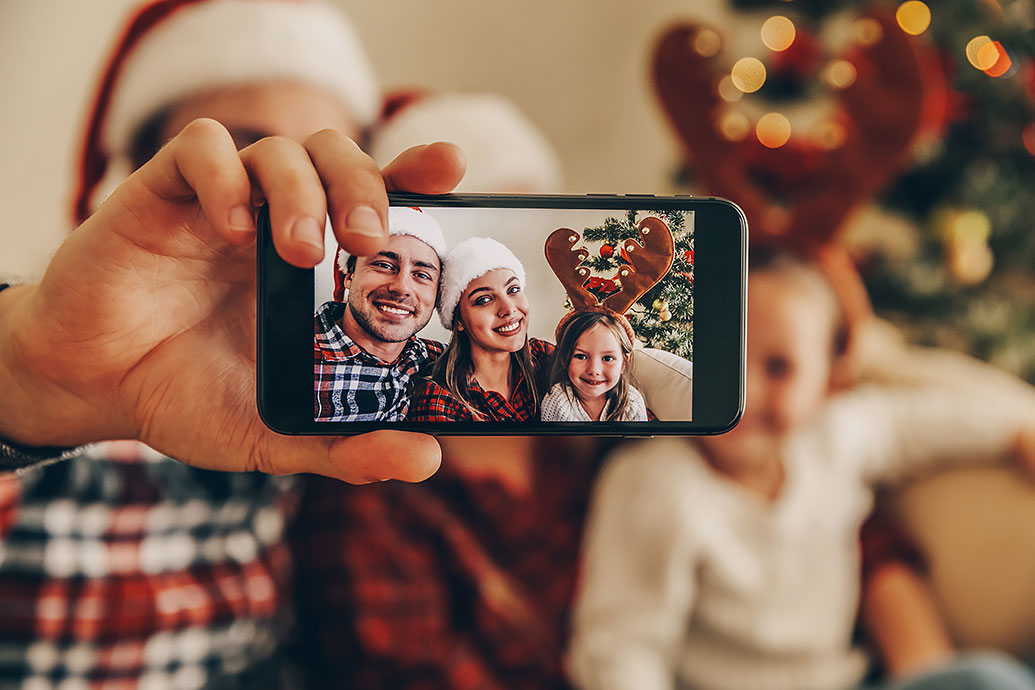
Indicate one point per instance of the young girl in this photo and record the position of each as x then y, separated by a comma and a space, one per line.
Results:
732, 562
589, 377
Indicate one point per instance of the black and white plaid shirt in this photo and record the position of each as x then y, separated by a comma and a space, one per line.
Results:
352, 385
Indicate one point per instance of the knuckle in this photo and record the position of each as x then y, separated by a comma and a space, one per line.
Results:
204, 128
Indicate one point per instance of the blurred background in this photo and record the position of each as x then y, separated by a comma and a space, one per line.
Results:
944, 241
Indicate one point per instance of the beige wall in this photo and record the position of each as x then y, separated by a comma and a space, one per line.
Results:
577, 68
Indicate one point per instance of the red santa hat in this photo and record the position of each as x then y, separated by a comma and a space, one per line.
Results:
402, 220
505, 151
172, 49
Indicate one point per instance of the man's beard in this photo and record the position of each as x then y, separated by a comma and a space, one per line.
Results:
365, 314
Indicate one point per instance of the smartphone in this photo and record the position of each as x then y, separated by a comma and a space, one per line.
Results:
619, 315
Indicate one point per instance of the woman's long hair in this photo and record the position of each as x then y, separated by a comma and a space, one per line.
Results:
579, 323
454, 369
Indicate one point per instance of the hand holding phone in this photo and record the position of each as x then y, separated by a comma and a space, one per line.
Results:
143, 326
555, 315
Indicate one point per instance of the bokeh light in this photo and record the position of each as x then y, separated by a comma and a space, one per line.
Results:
706, 43
1028, 137
829, 135
914, 17
733, 125
778, 33
1002, 62
981, 54
840, 74
867, 31
727, 91
748, 74
773, 130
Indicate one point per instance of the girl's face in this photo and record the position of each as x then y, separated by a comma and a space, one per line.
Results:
494, 312
789, 358
596, 362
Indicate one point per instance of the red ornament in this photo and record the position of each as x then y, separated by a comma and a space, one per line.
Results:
689, 256
607, 251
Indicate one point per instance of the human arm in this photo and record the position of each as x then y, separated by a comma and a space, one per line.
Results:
888, 434
144, 324
637, 588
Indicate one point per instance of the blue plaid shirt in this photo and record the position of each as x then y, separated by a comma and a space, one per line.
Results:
352, 385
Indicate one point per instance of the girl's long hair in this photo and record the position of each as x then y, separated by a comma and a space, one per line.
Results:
617, 397
454, 369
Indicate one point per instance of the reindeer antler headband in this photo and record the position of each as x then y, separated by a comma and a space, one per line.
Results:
649, 259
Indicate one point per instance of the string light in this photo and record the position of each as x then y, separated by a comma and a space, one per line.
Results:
1028, 137
773, 130
778, 33
914, 17
840, 74
734, 126
1002, 62
981, 54
867, 31
830, 135
748, 74
706, 43
727, 91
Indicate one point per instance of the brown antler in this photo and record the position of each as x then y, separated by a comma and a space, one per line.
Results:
650, 259
799, 194
565, 261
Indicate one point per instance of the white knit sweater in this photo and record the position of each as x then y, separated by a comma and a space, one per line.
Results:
689, 576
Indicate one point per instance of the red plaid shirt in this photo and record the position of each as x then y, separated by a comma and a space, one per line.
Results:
454, 583
432, 402
123, 566
353, 385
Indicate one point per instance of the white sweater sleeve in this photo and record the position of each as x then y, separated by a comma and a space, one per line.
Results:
889, 434
637, 589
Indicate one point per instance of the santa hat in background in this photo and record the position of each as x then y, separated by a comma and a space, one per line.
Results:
402, 220
173, 49
505, 152
470, 259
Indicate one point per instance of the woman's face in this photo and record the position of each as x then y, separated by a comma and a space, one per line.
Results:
494, 312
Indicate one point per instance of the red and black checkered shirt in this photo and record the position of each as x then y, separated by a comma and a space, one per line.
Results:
432, 402
123, 568
353, 385
455, 583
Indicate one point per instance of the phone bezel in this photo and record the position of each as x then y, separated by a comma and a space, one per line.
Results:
284, 372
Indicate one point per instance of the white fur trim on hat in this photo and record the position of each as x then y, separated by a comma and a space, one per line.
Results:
505, 151
235, 43
468, 260
403, 220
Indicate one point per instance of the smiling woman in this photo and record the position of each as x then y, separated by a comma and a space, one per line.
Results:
490, 370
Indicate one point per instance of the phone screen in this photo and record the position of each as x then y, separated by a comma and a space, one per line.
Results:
618, 282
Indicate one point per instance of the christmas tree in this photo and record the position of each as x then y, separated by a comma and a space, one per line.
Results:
961, 271
663, 317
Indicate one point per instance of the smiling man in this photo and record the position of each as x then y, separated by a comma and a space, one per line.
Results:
365, 344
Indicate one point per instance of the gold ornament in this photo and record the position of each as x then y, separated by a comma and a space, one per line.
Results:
665, 315
567, 303
660, 304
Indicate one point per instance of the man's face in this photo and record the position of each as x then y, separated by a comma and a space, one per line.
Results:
392, 293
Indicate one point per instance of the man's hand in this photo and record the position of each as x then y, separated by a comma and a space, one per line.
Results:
144, 323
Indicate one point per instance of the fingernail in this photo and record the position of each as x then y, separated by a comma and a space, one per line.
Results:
308, 231
241, 219
363, 220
